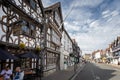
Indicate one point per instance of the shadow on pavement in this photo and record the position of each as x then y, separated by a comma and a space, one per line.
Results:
60, 75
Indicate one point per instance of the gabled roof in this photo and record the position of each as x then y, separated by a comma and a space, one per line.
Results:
53, 7
94, 52
56, 8
41, 7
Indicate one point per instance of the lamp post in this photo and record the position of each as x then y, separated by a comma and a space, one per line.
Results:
74, 65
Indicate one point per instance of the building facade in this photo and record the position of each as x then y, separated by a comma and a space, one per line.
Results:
21, 30
66, 49
116, 50
96, 56
76, 51
53, 15
87, 57
108, 54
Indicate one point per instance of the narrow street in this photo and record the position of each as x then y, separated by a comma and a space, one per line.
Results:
93, 71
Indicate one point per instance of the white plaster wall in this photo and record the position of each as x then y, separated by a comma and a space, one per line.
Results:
97, 55
66, 48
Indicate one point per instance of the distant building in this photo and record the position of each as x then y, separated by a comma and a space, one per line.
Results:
108, 54
115, 45
96, 56
87, 56
76, 51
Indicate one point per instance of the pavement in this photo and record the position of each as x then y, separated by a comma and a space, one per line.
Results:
114, 65
67, 74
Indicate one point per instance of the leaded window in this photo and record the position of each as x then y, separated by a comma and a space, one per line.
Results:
24, 28
57, 19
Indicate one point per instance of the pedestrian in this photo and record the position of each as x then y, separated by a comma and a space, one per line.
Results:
19, 74
6, 73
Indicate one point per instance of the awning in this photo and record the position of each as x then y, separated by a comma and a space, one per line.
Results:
28, 55
6, 55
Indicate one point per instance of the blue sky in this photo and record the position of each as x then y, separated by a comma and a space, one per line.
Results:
93, 23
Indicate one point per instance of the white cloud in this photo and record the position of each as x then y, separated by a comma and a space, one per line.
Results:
105, 12
79, 15
109, 19
46, 3
71, 27
98, 36
115, 13
82, 3
94, 24
109, 14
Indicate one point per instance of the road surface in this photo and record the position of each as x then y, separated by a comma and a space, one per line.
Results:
93, 71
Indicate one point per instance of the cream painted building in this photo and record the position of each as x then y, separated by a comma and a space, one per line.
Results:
66, 49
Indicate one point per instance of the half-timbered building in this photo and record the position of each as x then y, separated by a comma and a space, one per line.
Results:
116, 50
21, 29
54, 28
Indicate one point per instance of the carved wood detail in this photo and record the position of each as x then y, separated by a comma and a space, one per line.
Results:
11, 17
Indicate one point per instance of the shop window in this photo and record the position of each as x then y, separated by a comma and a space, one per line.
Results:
57, 18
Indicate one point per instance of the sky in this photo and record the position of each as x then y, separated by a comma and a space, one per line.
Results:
93, 23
